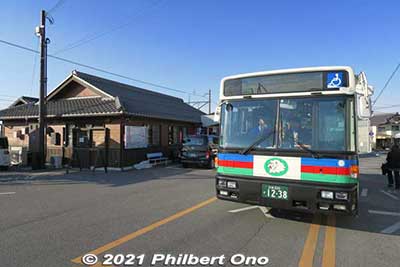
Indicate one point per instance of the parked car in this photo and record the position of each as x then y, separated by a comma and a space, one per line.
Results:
198, 150
4, 153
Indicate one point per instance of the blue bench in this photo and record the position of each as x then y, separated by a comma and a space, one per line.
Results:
157, 158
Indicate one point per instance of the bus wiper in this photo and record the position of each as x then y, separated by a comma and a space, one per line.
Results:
305, 148
255, 143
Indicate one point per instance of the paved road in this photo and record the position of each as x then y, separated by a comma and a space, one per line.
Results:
53, 219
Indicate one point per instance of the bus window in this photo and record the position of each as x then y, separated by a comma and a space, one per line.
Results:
243, 122
3, 143
296, 123
316, 123
331, 125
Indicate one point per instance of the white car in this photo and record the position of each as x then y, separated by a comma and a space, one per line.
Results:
4, 153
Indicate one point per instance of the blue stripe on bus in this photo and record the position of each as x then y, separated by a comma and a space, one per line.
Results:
326, 162
235, 157
304, 161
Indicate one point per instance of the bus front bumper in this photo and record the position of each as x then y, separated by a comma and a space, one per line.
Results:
301, 196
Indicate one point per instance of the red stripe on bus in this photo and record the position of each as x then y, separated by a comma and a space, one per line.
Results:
325, 170
235, 164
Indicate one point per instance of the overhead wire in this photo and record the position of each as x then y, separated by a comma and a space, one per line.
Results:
92, 37
387, 107
99, 69
386, 84
34, 70
56, 6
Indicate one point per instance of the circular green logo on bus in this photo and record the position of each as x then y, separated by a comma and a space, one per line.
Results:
276, 167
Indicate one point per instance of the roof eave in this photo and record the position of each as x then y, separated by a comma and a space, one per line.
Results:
65, 116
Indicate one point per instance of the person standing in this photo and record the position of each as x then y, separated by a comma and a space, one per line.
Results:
393, 162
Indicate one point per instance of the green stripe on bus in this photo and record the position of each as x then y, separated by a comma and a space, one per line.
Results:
230, 170
328, 178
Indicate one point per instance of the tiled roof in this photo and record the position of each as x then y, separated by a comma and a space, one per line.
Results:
122, 98
382, 118
24, 100
64, 108
141, 102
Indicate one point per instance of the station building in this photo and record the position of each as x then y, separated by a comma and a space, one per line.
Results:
93, 121
386, 130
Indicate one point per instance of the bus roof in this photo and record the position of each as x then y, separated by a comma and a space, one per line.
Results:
348, 69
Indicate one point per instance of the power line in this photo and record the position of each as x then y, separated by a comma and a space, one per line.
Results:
34, 70
387, 83
92, 37
98, 69
392, 106
56, 6
9, 96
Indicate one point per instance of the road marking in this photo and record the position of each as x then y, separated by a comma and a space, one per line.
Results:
7, 193
329, 254
264, 210
381, 212
243, 209
389, 195
391, 229
307, 257
364, 192
146, 229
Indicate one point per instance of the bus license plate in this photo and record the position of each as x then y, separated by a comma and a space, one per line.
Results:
275, 191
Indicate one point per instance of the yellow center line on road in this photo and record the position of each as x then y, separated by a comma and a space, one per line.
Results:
145, 230
307, 258
329, 254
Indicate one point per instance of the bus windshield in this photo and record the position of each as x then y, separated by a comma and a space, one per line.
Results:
317, 123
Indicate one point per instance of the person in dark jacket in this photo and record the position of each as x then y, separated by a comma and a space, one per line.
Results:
393, 162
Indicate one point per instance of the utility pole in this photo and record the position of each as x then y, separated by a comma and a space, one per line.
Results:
209, 101
41, 33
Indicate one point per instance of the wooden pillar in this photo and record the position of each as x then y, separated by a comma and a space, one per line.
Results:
122, 144
106, 147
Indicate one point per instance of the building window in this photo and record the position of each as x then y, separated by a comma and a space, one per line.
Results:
175, 135
153, 134
156, 135
184, 132
170, 135
395, 127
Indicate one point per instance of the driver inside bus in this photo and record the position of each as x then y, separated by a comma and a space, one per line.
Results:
293, 134
262, 129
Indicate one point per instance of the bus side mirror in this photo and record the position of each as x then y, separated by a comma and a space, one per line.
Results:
363, 94
364, 110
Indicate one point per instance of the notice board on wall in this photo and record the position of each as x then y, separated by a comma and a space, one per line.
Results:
136, 137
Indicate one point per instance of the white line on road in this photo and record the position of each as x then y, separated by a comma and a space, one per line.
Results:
243, 209
389, 195
364, 192
381, 212
391, 229
7, 193
264, 210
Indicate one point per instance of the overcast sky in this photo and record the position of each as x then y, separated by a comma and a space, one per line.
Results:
191, 45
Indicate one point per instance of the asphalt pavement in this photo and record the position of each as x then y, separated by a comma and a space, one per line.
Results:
53, 219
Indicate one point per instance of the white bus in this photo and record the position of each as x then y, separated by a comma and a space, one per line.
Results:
290, 138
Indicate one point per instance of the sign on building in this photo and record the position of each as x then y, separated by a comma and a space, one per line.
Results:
136, 137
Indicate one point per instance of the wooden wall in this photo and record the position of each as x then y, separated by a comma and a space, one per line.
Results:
118, 156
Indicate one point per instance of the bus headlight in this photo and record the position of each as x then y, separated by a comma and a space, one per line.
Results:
327, 194
231, 184
221, 183
224, 193
341, 195
339, 207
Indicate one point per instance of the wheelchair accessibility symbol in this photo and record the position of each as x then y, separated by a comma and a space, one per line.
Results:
334, 79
